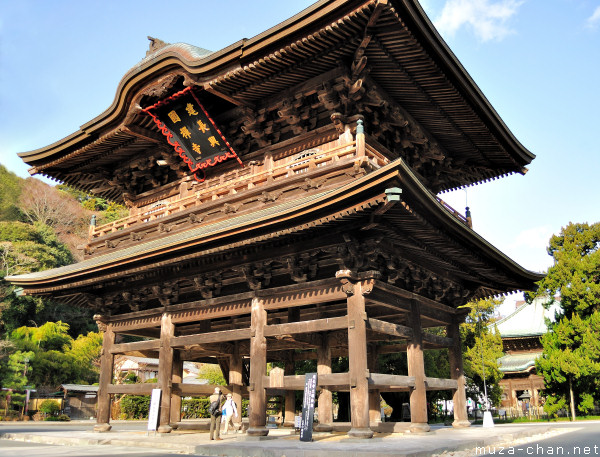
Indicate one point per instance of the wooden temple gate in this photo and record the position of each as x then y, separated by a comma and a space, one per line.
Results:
350, 331
329, 241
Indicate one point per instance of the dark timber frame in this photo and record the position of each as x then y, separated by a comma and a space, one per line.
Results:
330, 241
327, 333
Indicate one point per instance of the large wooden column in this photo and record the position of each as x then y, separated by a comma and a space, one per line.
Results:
357, 356
459, 396
235, 381
177, 377
416, 368
325, 401
258, 369
289, 369
374, 395
165, 372
106, 375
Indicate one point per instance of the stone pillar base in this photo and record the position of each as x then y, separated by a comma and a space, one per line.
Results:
323, 428
418, 427
102, 428
360, 433
174, 425
164, 429
257, 431
461, 424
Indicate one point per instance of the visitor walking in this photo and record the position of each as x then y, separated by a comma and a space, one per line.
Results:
229, 412
215, 414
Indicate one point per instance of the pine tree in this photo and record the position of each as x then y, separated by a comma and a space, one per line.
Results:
570, 363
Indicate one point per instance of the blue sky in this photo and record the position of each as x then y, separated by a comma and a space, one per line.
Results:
538, 62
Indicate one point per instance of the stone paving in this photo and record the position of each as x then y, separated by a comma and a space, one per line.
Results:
285, 442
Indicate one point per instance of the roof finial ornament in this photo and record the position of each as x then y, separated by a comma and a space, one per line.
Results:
155, 45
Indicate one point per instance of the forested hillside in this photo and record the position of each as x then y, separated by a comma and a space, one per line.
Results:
41, 226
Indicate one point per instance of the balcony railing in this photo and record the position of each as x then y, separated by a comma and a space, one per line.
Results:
227, 185
251, 177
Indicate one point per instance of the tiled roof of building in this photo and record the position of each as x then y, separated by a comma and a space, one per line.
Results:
518, 362
527, 320
79, 388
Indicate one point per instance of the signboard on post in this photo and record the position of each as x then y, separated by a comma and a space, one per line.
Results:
154, 409
308, 406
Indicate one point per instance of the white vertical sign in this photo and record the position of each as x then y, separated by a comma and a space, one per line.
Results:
154, 409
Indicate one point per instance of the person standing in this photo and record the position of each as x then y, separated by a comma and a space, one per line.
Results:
229, 412
215, 414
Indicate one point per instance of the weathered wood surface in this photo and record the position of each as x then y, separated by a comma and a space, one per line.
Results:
133, 389
387, 381
440, 384
106, 374
138, 346
165, 371
214, 337
437, 341
416, 368
296, 382
258, 369
312, 326
388, 328
201, 390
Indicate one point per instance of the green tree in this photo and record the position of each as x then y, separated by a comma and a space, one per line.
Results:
55, 357
10, 191
482, 347
570, 363
25, 248
212, 373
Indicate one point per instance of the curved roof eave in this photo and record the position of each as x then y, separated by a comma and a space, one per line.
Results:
176, 58
461, 78
246, 48
393, 172
461, 231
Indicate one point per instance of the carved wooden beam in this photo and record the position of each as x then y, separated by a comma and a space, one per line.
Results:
388, 328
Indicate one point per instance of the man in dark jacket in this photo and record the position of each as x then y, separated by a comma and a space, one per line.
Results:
215, 417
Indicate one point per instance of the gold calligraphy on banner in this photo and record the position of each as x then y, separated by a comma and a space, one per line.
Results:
187, 126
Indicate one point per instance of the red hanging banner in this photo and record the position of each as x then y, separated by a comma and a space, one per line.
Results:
185, 123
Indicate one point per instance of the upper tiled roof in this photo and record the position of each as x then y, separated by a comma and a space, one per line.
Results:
527, 320
182, 50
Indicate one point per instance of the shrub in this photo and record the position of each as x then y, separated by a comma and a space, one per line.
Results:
50, 407
135, 406
60, 418
195, 408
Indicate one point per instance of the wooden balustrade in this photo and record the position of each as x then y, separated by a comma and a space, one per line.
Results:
242, 180
214, 190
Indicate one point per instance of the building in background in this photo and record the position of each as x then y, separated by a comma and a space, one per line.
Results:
521, 333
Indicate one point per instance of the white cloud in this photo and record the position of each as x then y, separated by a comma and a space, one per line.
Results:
528, 248
536, 238
594, 19
488, 19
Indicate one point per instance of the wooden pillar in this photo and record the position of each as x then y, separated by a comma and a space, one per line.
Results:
459, 396
177, 378
325, 401
374, 395
235, 381
258, 369
290, 395
357, 356
106, 375
165, 373
416, 368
